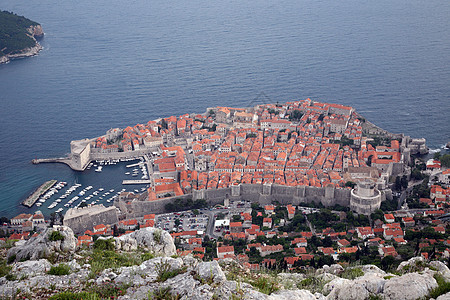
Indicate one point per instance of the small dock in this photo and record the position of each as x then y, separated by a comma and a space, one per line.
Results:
135, 165
29, 202
147, 181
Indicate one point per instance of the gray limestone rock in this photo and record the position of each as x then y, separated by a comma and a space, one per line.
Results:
73, 265
335, 269
409, 286
326, 277
442, 269
31, 268
292, 295
41, 246
151, 239
359, 288
411, 263
444, 297
335, 285
372, 269
210, 272
290, 279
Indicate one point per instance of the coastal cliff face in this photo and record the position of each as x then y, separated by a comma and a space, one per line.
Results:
142, 265
36, 31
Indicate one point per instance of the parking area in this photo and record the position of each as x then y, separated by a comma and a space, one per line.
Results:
182, 221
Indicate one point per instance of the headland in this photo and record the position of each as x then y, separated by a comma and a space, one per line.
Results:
18, 37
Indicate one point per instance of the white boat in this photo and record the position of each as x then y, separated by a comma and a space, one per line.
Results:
99, 169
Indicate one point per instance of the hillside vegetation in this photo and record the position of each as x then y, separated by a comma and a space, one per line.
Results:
14, 36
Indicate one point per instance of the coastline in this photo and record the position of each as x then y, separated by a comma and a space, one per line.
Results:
35, 32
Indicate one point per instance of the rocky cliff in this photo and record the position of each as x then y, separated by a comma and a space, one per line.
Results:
141, 265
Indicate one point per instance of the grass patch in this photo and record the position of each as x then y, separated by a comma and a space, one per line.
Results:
108, 291
165, 272
101, 260
352, 273
388, 277
312, 284
147, 256
59, 270
266, 284
8, 244
4, 268
102, 244
418, 266
442, 288
163, 294
56, 236
75, 296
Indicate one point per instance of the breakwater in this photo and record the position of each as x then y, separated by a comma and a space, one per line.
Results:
29, 202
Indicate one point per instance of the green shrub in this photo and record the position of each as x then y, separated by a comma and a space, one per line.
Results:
61, 269
11, 259
352, 273
56, 236
442, 288
10, 277
157, 236
102, 244
4, 268
74, 296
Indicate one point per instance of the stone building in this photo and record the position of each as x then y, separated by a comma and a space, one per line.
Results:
82, 219
365, 198
80, 153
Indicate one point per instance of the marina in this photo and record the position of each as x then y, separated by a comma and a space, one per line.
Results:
100, 183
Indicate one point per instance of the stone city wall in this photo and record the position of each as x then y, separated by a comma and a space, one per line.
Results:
263, 194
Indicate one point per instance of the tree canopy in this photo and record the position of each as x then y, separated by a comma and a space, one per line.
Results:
14, 36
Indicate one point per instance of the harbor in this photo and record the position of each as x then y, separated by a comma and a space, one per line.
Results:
101, 182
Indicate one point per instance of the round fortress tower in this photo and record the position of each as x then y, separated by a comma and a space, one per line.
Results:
365, 198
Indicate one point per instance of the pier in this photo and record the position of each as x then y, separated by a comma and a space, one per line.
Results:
29, 202
147, 181
63, 160
135, 165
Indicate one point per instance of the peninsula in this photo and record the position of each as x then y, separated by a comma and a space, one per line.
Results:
18, 37
296, 152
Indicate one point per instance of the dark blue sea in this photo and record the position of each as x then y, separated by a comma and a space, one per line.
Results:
116, 63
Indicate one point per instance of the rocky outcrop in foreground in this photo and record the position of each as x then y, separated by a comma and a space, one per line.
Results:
150, 239
58, 240
163, 277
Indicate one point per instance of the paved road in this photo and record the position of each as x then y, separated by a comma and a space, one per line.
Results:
406, 192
